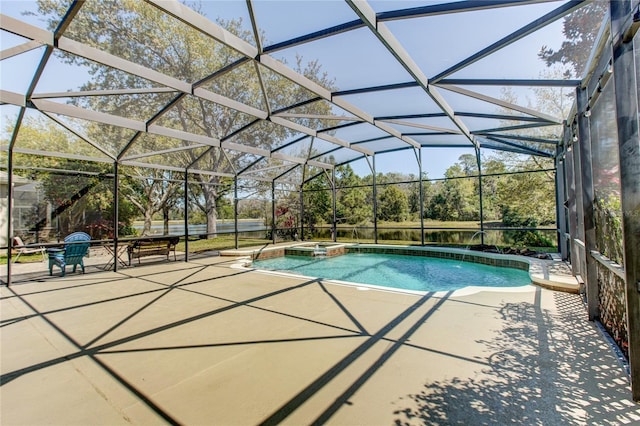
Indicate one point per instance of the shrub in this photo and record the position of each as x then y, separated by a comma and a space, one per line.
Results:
528, 238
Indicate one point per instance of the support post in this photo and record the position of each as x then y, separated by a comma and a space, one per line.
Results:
586, 173
626, 74
12, 142
334, 227
301, 212
186, 215
235, 210
273, 212
375, 202
115, 215
575, 207
421, 196
479, 161
561, 221
10, 206
9, 211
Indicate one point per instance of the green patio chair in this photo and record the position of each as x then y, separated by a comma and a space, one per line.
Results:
75, 249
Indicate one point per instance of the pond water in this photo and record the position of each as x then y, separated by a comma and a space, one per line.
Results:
177, 228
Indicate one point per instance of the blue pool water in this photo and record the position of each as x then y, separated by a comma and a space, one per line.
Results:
399, 271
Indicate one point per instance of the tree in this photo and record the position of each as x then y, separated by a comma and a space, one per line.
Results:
468, 164
413, 200
393, 204
457, 197
252, 209
151, 194
524, 199
413, 191
530, 196
351, 204
439, 207
580, 29
491, 207
140, 33
317, 202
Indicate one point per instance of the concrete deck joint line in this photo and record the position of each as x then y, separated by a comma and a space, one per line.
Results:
223, 346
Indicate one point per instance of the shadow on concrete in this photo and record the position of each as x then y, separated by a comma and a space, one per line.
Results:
539, 360
92, 349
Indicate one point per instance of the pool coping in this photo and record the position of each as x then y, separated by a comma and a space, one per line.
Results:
553, 274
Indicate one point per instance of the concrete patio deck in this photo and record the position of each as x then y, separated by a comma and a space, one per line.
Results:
203, 343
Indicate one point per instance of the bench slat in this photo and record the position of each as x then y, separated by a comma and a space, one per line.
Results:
143, 248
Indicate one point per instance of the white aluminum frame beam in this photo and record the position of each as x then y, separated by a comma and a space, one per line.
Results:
416, 12
501, 103
40, 37
64, 155
80, 135
317, 116
19, 49
86, 93
12, 98
200, 23
162, 152
153, 129
524, 31
162, 167
79, 49
386, 37
424, 126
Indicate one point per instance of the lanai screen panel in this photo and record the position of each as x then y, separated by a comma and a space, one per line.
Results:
281, 93
287, 81
606, 175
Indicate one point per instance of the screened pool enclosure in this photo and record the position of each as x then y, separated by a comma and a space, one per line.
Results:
512, 124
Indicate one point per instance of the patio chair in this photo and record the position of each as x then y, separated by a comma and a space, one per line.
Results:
22, 249
75, 249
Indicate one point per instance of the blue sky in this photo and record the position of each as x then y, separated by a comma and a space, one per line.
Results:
435, 43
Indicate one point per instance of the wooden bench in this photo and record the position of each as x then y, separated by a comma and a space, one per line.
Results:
152, 247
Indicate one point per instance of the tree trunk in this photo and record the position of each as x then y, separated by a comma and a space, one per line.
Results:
146, 230
165, 217
210, 196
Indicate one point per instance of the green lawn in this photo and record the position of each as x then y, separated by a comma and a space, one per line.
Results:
25, 258
223, 242
195, 246
416, 224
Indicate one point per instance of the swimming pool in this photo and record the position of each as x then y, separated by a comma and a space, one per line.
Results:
399, 271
